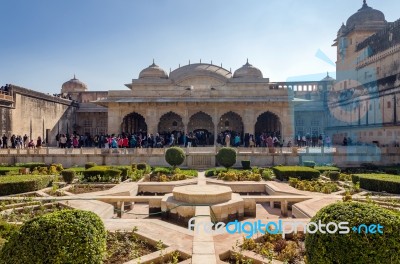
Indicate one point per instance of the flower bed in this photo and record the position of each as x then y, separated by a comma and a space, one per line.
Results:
272, 247
27, 212
166, 174
88, 188
314, 186
254, 174
125, 246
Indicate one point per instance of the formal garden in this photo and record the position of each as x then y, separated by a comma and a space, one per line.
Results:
43, 218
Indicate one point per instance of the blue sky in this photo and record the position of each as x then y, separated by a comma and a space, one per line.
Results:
106, 43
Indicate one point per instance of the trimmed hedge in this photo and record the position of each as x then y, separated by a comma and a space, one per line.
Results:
89, 165
31, 165
143, 166
23, 183
378, 182
67, 236
310, 164
246, 164
354, 247
175, 156
334, 175
283, 173
102, 174
68, 175
323, 169
226, 157
6, 170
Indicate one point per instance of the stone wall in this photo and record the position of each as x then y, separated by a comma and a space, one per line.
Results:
36, 114
344, 157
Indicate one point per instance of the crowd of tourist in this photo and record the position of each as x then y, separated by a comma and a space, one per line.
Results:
19, 142
63, 96
313, 140
168, 139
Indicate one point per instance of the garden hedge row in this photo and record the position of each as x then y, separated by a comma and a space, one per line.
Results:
323, 169
378, 182
354, 247
67, 236
283, 173
31, 165
6, 170
23, 183
102, 174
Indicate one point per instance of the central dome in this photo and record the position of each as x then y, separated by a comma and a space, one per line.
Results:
153, 72
366, 16
248, 71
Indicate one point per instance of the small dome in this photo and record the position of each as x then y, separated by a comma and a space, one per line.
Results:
366, 16
73, 85
328, 78
153, 72
248, 71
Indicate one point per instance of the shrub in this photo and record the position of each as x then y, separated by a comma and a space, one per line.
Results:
31, 165
23, 183
323, 169
134, 166
267, 175
283, 173
344, 177
354, 247
58, 166
89, 165
68, 175
214, 172
334, 175
394, 171
226, 157
378, 182
112, 175
142, 166
246, 164
126, 172
175, 156
6, 231
310, 164
67, 236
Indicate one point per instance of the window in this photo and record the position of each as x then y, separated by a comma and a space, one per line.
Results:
389, 104
174, 124
299, 122
370, 107
226, 123
315, 122
87, 123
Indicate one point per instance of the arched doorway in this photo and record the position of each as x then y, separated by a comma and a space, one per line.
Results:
134, 123
170, 122
231, 122
201, 126
269, 124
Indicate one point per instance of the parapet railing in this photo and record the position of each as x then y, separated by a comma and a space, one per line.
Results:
212, 150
